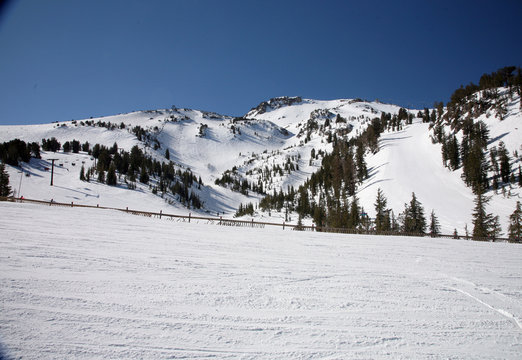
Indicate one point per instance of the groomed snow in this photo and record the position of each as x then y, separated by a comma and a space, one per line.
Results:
98, 284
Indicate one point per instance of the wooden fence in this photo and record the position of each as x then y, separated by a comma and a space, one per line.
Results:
252, 223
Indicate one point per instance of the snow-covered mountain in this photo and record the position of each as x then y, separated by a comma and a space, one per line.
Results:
277, 145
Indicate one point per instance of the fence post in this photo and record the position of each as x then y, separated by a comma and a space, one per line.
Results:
189, 216
220, 218
97, 205
160, 213
127, 209
283, 225
72, 204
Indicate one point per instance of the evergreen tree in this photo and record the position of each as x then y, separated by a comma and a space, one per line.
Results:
453, 153
144, 176
167, 154
515, 224
362, 171
493, 153
5, 189
101, 176
505, 168
414, 220
481, 220
495, 230
82, 173
382, 219
51, 144
475, 169
112, 179
434, 224
355, 214
75, 146
114, 149
35, 150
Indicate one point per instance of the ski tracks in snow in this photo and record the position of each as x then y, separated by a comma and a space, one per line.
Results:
491, 299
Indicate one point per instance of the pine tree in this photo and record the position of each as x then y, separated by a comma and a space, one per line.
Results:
101, 176
475, 169
453, 153
82, 173
355, 214
167, 154
481, 220
111, 175
434, 224
515, 224
382, 219
144, 176
362, 171
414, 220
5, 189
495, 230
505, 168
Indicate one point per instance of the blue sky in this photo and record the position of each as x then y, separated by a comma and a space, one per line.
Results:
71, 59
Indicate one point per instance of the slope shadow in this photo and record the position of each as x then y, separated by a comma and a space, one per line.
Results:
497, 138
77, 191
373, 183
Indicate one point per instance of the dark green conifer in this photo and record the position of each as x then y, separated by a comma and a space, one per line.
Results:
481, 219
414, 219
82, 173
112, 179
515, 224
5, 189
434, 224
382, 219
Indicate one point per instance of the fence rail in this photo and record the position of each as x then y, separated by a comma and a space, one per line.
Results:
252, 223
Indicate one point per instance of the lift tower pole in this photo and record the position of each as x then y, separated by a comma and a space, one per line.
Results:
52, 170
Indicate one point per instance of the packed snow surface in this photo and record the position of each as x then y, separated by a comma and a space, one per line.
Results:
91, 283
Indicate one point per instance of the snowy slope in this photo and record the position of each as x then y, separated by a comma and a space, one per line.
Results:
142, 288
408, 162
272, 135
207, 143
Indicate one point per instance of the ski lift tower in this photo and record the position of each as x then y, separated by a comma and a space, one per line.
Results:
52, 170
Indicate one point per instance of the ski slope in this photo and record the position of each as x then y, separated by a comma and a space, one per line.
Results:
98, 284
210, 144
408, 162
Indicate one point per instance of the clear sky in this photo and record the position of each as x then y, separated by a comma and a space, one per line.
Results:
72, 59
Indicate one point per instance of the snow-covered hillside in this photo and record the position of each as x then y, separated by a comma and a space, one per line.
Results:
207, 143
99, 284
269, 149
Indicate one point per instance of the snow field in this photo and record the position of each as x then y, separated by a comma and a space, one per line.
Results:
90, 283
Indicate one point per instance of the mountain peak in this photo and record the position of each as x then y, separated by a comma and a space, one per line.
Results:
274, 103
